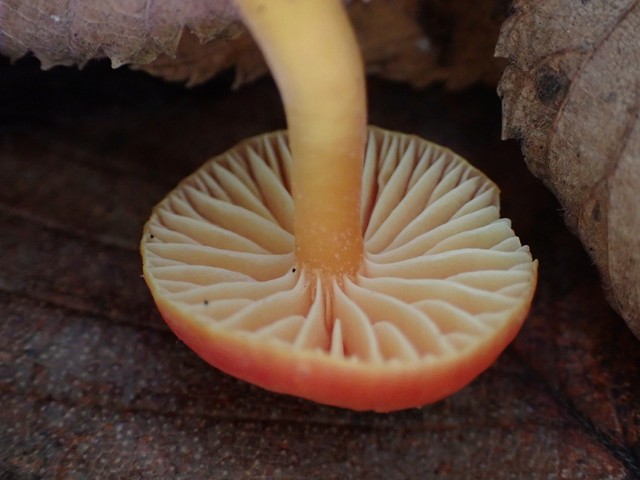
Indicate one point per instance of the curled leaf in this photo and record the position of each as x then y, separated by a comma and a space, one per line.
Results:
572, 95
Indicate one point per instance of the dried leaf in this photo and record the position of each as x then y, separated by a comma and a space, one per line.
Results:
393, 45
572, 95
195, 62
192, 40
60, 32
415, 41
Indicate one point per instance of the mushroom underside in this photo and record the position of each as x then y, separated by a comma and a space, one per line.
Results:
441, 270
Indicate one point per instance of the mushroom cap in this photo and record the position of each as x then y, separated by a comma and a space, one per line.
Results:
444, 285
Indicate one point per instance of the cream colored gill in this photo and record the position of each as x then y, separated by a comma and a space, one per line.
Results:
441, 271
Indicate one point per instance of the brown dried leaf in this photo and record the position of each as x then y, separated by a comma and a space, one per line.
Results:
192, 40
393, 45
572, 94
60, 32
457, 47
195, 62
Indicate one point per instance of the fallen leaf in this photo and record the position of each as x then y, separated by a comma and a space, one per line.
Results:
419, 42
572, 95
415, 41
393, 45
59, 32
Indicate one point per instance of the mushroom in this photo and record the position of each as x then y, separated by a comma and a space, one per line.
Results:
348, 265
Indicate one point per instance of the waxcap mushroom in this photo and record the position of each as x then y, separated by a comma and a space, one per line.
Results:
401, 283
443, 288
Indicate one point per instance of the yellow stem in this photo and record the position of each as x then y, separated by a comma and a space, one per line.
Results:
313, 54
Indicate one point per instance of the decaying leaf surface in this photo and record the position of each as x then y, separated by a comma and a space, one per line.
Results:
572, 94
393, 45
60, 32
414, 41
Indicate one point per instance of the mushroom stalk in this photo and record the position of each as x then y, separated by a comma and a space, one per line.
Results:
314, 57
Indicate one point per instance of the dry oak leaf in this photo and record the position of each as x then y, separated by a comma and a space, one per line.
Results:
572, 95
